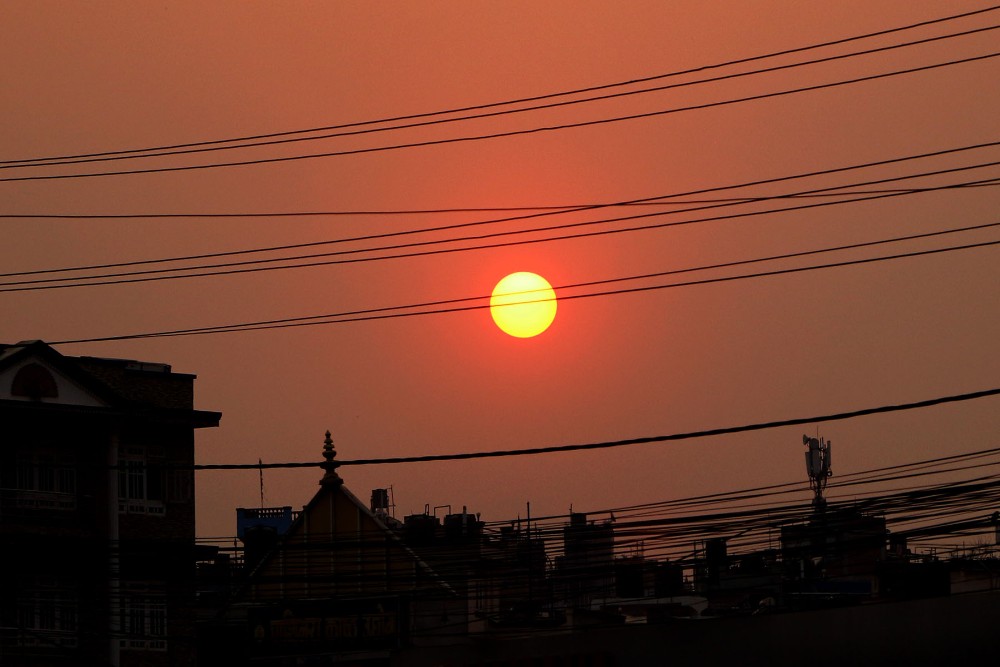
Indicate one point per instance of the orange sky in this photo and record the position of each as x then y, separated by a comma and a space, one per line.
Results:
90, 78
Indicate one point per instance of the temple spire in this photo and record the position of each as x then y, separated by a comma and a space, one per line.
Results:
329, 464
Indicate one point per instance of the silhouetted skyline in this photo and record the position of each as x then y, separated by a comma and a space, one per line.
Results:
671, 360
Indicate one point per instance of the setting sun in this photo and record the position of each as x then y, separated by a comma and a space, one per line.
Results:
523, 304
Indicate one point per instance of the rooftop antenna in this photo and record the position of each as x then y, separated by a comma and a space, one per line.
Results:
818, 468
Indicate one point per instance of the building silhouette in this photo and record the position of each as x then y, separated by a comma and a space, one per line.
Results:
97, 509
100, 565
340, 582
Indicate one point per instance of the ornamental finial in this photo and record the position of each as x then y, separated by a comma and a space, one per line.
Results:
329, 464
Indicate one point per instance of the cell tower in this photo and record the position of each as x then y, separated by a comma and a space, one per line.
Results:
817, 467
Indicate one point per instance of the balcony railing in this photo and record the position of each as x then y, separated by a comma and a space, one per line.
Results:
21, 499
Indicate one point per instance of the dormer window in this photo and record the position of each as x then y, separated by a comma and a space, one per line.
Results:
35, 382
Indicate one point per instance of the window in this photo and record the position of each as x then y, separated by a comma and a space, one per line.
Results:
132, 480
46, 615
39, 479
140, 481
144, 621
35, 382
39, 472
180, 485
46, 605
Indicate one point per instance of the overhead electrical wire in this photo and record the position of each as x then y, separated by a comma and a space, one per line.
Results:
46, 283
551, 209
797, 421
834, 491
865, 477
556, 208
839, 481
365, 315
685, 511
543, 210
248, 265
561, 211
881, 475
511, 133
522, 100
479, 116
610, 444
933, 466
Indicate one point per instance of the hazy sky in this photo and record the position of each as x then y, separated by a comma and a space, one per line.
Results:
80, 78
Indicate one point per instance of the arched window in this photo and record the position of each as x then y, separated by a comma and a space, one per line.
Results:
35, 382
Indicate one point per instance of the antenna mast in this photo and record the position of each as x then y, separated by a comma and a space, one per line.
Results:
818, 468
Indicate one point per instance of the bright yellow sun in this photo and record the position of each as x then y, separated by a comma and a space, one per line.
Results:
523, 304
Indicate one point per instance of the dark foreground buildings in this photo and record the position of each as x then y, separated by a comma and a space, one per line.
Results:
97, 510
342, 582
100, 565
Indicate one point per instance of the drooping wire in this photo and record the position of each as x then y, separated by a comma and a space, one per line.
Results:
521, 100
511, 133
560, 210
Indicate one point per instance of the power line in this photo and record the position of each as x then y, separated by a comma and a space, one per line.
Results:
552, 209
241, 328
864, 477
524, 99
646, 276
560, 211
921, 503
479, 116
128, 277
530, 451
511, 133
952, 508
842, 480
340, 213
